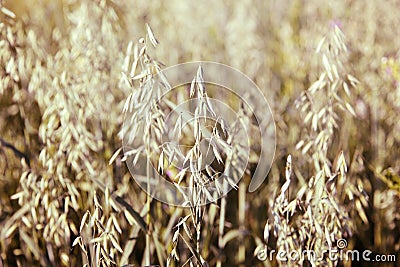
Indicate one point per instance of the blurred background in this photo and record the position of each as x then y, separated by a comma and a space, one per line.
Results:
61, 100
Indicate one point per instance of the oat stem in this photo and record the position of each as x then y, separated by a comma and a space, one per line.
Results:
148, 217
221, 230
241, 219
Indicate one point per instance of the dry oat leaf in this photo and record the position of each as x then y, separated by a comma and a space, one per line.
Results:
171, 157
98, 239
142, 51
163, 79
187, 230
353, 80
18, 195
208, 195
134, 67
346, 88
230, 235
319, 138
216, 153
327, 169
10, 231
288, 169
140, 76
320, 44
30, 243
308, 117
125, 64
231, 182
160, 249
210, 108
83, 221
326, 64
192, 87
299, 144
319, 184
335, 71
76, 241
209, 170
192, 250
361, 212
161, 163
128, 211
178, 126
337, 41
306, 147
8, 12
350, 109
266, 232
285, 187
116, 153
181, 175
100, 226
151, 36
133, 214
27, 222
115, 243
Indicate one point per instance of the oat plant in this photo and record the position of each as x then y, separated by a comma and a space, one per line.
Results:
208, 167
313, 219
